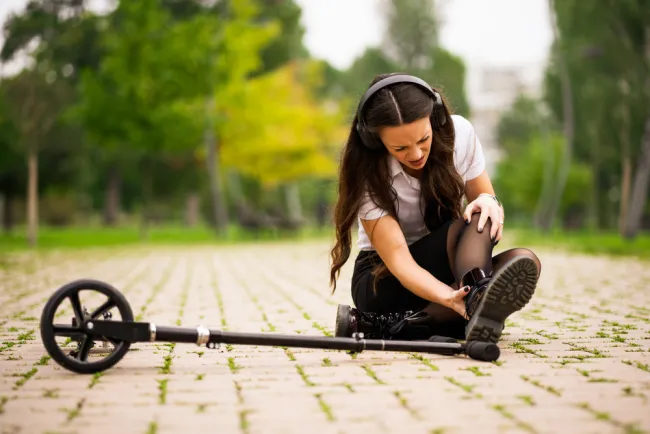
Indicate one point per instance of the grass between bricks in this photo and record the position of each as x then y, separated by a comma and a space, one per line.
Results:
549, 389
3, 402
278, 288
76, 411
372, 374
152, 428
168, 359
290, 355
641, 366
217, 292
155, 291
628, 428
21, 339
505, 413
325, 407
404, 403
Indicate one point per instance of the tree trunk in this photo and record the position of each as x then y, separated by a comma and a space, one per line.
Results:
192, 209
147, 195
642, 173
234, 184
640, 187
112, 197
569, 128
594, 207
3, 202
626, 170
7, 214
294, 206
548, 176
32, 197
219, 213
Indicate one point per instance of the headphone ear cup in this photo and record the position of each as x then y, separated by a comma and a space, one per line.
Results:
367, 139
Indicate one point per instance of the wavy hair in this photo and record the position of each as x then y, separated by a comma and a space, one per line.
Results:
364, 170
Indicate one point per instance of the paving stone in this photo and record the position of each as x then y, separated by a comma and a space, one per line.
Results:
575, 360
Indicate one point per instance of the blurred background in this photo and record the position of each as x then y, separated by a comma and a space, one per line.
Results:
222, 121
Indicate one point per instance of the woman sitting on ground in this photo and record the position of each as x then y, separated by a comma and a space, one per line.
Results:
425, 265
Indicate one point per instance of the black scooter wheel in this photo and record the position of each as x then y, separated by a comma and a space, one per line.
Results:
80, 360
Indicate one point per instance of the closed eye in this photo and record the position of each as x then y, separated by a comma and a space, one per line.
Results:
422, 140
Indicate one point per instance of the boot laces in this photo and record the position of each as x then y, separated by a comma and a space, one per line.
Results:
382, 323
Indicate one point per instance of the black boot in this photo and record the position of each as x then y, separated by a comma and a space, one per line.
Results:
492, 299
409, 325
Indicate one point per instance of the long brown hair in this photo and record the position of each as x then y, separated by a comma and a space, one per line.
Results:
363, 169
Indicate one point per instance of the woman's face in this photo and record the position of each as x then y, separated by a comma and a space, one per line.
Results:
409, 143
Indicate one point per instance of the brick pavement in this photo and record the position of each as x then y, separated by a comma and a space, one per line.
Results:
576, 360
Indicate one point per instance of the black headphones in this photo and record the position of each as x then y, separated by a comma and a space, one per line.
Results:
438, 118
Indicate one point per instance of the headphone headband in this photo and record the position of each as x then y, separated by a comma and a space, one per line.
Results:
437, 116
400, 78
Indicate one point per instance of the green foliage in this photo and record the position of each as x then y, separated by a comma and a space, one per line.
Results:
604, 51
520, 178
412, 43
287, 45
277, 132
448, 73
129, 97
412, 33
521, 123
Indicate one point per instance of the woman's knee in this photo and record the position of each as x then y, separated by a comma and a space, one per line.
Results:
523, 251
473, 223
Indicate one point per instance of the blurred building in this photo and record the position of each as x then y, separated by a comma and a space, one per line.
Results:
491, 92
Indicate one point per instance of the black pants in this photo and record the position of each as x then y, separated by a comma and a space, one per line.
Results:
448, 252
430, 252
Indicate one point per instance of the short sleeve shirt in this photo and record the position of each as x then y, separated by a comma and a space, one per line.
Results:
469, 161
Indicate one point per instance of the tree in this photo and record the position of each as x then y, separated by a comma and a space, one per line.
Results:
548, 214
411, 42
277, 131
605, 60
37, 104
160, 78
412, 33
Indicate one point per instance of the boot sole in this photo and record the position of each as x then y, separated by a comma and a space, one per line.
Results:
342, 328
510, 290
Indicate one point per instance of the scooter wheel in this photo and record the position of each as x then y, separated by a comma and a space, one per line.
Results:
83, 359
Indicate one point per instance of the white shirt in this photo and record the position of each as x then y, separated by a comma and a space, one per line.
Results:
469, 162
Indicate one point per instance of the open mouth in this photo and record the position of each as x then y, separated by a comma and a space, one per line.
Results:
418, 162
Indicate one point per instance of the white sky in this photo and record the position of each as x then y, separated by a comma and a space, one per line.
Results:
494, 32
512, 33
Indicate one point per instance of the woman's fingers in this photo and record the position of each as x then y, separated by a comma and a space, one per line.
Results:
485, 214
495, 216
469, 210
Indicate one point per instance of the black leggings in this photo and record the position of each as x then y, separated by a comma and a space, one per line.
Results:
449, 252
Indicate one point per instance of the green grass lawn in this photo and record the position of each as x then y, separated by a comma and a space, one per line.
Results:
607, 243
90, 237
87, 237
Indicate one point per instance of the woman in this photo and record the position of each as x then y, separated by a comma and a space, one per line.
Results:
425, 265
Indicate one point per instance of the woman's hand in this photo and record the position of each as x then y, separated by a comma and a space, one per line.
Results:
456, 301
488, 208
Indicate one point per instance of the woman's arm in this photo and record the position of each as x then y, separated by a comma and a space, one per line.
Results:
388, 240
478, 185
